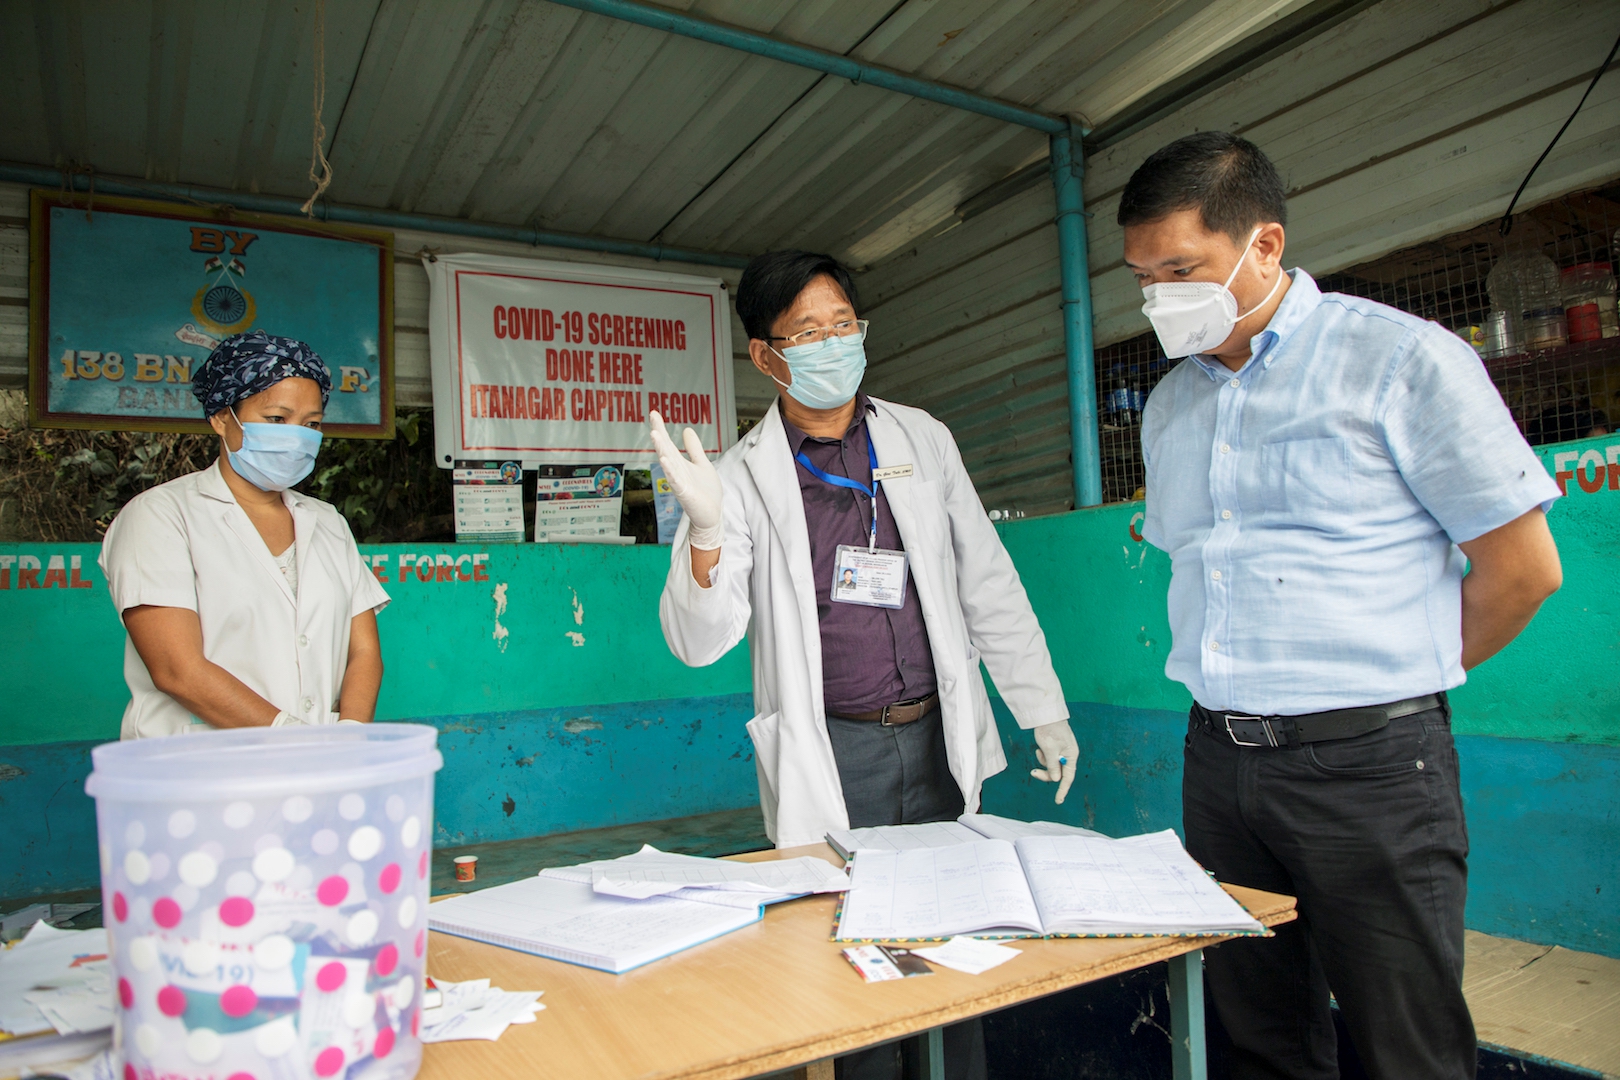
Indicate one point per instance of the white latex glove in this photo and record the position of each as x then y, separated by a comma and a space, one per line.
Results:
695, 484
1057, 750
286, 719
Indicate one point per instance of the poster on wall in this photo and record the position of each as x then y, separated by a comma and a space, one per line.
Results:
551, 362
127, 297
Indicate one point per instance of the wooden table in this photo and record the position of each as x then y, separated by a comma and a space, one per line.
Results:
779, 994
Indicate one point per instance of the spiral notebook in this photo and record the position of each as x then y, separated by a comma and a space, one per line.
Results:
1037, 886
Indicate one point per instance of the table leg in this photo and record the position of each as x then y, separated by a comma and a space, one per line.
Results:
819, 1070
932, 1045
1188, 1058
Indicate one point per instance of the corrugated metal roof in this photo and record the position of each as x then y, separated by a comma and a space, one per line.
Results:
522, 111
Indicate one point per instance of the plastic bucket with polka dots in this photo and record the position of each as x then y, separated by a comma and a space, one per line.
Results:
265, 900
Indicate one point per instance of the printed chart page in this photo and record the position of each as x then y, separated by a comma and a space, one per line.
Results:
566, 920
997, 827
937, 892
902, 837
1145, 885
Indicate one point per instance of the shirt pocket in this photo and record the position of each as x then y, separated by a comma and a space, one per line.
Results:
1308, 480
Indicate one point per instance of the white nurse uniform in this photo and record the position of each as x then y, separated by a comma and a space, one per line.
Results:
187, 544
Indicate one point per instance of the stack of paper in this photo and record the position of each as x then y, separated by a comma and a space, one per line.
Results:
477, 1010
56, 998
618, 914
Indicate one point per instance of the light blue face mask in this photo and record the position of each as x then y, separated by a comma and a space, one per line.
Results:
825, 374
274, 457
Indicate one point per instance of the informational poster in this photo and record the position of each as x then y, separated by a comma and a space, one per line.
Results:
666, 507
127, 297
579, 504
489, 501
562, 362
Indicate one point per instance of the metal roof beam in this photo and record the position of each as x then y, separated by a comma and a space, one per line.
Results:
39, 176
830, 63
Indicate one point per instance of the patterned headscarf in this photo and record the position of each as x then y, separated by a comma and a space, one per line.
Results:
245, 364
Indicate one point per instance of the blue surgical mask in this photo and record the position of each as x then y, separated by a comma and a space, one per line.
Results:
274, 457
825, 374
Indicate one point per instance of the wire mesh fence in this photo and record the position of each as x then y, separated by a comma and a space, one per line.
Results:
1538, 306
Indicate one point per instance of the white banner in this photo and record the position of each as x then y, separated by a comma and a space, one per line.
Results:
561, 362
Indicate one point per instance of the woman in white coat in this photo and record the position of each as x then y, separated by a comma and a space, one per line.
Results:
246, 604
746, 557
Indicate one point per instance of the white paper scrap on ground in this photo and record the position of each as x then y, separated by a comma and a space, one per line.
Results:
640, 879
477, 1010
968, 954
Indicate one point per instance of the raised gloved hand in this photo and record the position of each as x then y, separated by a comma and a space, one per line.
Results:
1057, 750
695, 483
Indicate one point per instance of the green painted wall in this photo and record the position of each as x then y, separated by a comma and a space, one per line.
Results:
580, 625
1100, 595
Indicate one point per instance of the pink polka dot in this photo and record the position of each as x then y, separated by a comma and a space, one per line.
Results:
328, 1061
422, 865
171, 1001
384, 1044
238, 1001
126, 994
416, 1024
388, 880
236, 911
166, 913
332, 890
130, 1073
387, 960
421, 942
120, 907
331, 976
240, 1076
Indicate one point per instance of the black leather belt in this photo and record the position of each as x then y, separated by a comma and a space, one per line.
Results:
1282, 732
901, 712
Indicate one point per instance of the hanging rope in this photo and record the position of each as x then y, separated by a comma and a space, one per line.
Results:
72, 169
320, 170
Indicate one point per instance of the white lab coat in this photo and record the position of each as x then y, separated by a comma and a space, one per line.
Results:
973, 605
188, 544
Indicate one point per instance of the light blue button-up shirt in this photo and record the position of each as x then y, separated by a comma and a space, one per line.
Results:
1311, 503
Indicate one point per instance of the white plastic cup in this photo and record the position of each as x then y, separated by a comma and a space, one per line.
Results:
265, 896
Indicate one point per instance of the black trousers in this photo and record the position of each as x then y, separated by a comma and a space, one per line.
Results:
1368, 833
899, 775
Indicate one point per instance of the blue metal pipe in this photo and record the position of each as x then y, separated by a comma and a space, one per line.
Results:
1068, 169
359, 215
675, 22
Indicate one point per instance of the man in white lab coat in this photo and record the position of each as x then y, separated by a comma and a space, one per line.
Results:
844, 531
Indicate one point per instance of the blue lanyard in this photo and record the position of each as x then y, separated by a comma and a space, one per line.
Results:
855, 485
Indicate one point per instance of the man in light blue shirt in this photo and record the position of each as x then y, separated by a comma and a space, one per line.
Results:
1321, 471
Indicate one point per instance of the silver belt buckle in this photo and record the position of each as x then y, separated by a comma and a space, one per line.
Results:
1265, 725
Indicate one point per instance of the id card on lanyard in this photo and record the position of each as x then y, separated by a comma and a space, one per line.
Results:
870, 576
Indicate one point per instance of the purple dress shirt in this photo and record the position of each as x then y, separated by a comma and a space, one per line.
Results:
870, 656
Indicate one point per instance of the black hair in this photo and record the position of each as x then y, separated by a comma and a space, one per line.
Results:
774, 280
1228, 180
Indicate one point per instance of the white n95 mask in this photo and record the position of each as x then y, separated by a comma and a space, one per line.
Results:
1196, 316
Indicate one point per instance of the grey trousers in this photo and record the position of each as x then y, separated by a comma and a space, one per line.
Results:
900, 776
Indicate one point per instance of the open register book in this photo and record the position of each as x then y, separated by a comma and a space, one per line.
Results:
966, 829
1037, 886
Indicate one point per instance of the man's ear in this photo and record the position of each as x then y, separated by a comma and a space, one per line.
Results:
1269, 244
767, 361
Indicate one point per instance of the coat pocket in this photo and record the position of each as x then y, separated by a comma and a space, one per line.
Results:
765, 731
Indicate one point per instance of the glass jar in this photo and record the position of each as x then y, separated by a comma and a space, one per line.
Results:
1589, 305
1524, 283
